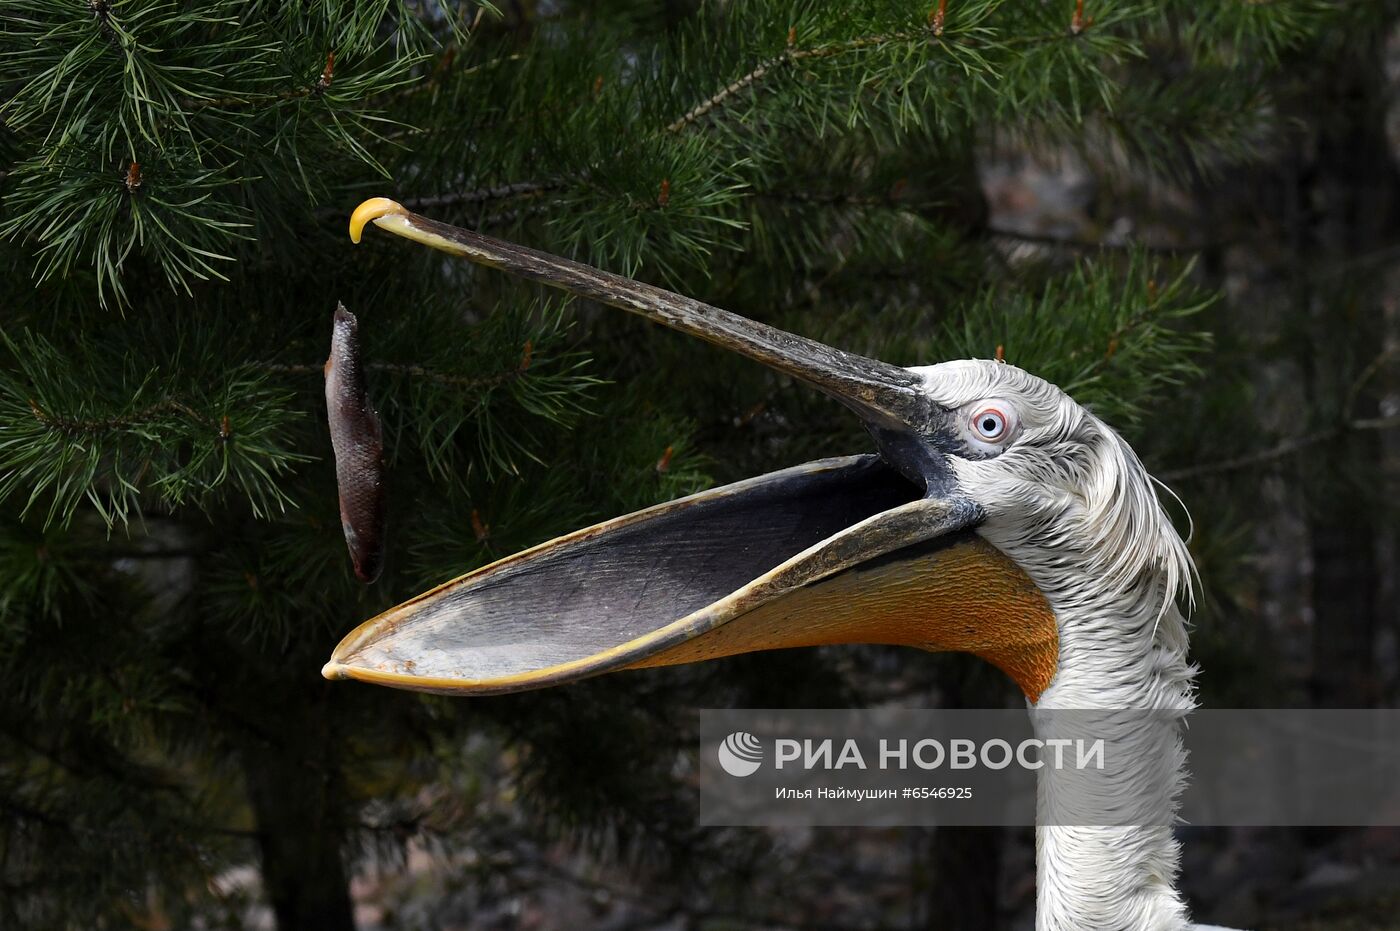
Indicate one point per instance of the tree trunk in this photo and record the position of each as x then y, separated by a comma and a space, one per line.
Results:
1351, 190
291, 787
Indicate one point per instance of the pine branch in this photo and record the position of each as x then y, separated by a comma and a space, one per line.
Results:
1094, 245
1280, 450
1108, 333
185, 92
793, 55
481, 195
1371, 370
725, 97
71, 432
418, 371
1292, 445
318, 87
144, 417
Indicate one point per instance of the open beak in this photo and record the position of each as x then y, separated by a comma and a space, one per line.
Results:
863, 549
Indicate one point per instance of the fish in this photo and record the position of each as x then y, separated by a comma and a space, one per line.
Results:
358, 442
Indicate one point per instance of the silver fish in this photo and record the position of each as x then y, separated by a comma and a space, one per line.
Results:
359, 448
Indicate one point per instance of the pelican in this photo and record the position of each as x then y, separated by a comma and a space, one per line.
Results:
999, 518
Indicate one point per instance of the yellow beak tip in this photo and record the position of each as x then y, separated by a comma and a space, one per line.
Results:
372, 209
333, 670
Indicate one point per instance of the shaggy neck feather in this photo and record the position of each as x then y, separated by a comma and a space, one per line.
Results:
1116, 652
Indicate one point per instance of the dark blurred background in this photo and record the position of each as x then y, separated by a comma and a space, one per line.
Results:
1183, 213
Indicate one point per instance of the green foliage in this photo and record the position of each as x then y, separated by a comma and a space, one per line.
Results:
1109, 334
172, 566
221, 110
82, 430
513, 366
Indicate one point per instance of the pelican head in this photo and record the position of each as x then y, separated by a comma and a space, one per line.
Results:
994, 507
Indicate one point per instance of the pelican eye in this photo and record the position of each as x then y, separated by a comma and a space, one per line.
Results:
989, 424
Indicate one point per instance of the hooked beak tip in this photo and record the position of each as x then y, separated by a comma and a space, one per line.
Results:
372, 209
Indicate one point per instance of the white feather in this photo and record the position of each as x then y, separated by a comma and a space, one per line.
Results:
1072, 504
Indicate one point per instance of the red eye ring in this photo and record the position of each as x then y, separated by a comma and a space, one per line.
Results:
990, 424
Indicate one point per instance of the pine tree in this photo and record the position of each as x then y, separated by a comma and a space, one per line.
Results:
176, 181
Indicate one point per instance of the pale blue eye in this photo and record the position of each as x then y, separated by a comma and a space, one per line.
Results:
989, 424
